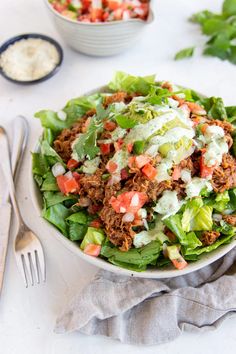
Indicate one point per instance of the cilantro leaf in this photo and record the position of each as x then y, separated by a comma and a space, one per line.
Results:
229, 7
125, 122
185, 53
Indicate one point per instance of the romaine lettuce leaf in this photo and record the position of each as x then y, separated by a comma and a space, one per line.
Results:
52, 198
215, 108
174, 224
129, 83
49, 183
196, 216
39, 164
210, 248
80, 217
56, 215
77, 231
50, 154
221, 201
138, 257
74, 110
94, 236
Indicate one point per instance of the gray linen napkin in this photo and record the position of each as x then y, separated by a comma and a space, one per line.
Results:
149, 311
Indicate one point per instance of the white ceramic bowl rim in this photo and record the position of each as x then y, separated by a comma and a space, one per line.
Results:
112, 23
157, 273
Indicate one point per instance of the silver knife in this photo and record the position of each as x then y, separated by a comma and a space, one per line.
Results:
20, 137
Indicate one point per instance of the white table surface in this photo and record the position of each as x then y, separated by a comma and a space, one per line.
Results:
27, 316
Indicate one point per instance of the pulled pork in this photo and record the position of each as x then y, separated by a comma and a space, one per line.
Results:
230, 219
209, 237
224, 176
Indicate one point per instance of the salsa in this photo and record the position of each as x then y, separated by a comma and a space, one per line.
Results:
102, 10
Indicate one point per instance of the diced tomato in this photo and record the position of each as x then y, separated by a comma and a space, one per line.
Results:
110, 126
61, 183
77, 176
71, 185
195, 108
92, 250
111, 166
205, 171
118, 144
149, 171
113, 5
72, 164
179, 263
142, 160
59, 7
105, 149
137, 222
96, 223
67, 185
128, 202
118, 13
105, 16
130, 147
176, 173
96, 15
124, 173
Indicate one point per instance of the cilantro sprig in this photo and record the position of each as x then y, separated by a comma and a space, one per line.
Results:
221, 28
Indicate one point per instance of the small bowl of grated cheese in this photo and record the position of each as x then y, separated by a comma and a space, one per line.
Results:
30, 58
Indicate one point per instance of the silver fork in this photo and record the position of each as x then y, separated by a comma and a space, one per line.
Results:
27, 247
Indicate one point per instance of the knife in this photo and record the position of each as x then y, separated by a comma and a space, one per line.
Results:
20, 137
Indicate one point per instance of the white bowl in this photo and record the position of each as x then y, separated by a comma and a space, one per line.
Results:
167, 272
99, 39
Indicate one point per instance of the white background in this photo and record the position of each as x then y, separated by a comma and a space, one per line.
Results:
27, 316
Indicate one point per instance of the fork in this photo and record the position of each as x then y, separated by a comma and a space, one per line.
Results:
27, 247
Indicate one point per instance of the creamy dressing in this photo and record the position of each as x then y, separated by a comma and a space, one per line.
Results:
90, 166
121, 159
215, 151
168, 204
196, 185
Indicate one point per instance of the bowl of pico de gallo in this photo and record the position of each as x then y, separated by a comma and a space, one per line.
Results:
100, 27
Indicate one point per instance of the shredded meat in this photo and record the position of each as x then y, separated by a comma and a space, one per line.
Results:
224, 176
153, 189
62, 143
119, 97
92, 186
209, 237
230, 219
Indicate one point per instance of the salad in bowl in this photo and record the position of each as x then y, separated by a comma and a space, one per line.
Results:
141, 173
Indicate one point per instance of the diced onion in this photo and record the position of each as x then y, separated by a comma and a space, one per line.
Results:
135, 200
128, 217
114, 179
145, 224
58, 169
69, 175
122, 210
61, 115
217, 217
142, 213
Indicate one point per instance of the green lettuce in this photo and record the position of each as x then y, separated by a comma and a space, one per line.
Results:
210, 248
135, 258
197, 216
39, 164
190, 240
52, 198
232, 195
50, 154
215, 108
221, 201
129, 83
49, 183
94, 236
57, 215
74, 110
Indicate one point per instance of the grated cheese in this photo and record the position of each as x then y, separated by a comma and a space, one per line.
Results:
29, 59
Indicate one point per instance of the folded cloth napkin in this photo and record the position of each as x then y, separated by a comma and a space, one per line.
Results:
151, 311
